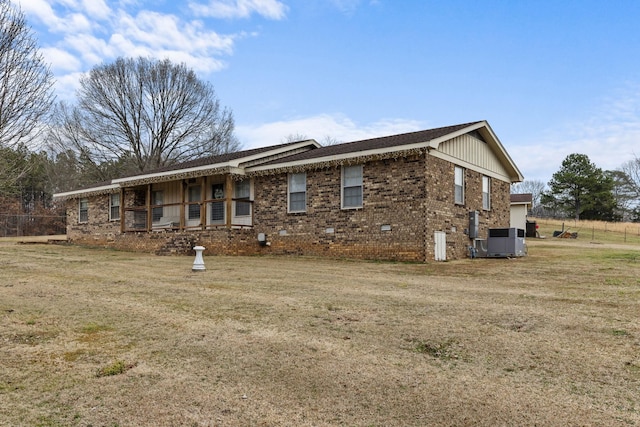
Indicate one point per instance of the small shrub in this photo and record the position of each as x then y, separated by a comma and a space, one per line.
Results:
440, 350
619, 332
116, 368
93, 328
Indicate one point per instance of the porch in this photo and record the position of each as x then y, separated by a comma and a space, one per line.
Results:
194, 204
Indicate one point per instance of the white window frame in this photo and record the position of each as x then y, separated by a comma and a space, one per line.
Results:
83, 207
193, 208
297, 189
218, 208
458, 185
240, 198
351, 181
114, 204
157, 200
486, 193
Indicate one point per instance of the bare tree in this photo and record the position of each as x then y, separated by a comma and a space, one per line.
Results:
142, 114
632, 169
330, 140
26, 83
536, 189
294, 137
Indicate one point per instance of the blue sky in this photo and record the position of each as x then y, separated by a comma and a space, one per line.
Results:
551, 77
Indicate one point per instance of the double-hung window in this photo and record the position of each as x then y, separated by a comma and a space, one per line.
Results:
298, 192
157, 212
114, 206
218, 206
352, 187
486, 193
459, 185
83, 210
195, 195
243, 196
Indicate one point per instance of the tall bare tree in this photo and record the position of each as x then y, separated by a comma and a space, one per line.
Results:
632, 169
141, 114
26, 83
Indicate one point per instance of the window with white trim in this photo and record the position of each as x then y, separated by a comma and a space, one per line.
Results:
352, 187
83, 210
486, 193
459, 185
242, 193
195, 196
157, 212
298, 192
114, 207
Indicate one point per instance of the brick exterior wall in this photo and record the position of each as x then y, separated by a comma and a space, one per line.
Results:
444, 215
405, 201
393, 195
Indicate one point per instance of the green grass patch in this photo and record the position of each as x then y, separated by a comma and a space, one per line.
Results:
116, 368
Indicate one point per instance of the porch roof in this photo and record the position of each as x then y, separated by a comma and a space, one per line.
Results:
233, 163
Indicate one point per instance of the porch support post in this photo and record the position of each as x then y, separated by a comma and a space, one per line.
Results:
122, 211
149, 217
203, 207
228, 193
182, 205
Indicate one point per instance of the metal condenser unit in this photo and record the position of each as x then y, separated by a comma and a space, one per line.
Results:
506, 242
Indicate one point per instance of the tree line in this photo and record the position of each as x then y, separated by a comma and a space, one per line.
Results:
581, 190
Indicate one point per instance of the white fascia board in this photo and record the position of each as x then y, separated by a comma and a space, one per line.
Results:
71, 194
505, 157
435, 143
280, 150
169, 173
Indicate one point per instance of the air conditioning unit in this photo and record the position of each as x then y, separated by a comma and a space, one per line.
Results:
506, 242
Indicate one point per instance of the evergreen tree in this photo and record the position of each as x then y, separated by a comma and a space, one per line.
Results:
582, 190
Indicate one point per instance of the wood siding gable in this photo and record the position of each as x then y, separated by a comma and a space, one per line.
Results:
474, 151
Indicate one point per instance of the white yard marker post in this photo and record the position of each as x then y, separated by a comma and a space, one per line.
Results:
198, 263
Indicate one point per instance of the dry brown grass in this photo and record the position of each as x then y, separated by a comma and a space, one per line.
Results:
598, 231
551, 339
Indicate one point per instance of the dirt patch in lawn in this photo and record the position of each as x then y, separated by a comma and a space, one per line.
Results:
100, 337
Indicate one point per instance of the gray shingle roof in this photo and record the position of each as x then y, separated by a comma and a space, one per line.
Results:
212, 160
373, 144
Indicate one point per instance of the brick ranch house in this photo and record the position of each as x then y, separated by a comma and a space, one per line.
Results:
402, 197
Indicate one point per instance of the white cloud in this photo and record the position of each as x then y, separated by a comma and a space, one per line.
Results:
39, 9
97, 9
272, 9
335, 126
90, 49
66, 85
77, 35
60, 60
346, 6
158, 31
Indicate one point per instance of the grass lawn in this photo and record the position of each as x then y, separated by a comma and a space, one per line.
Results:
93, 337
